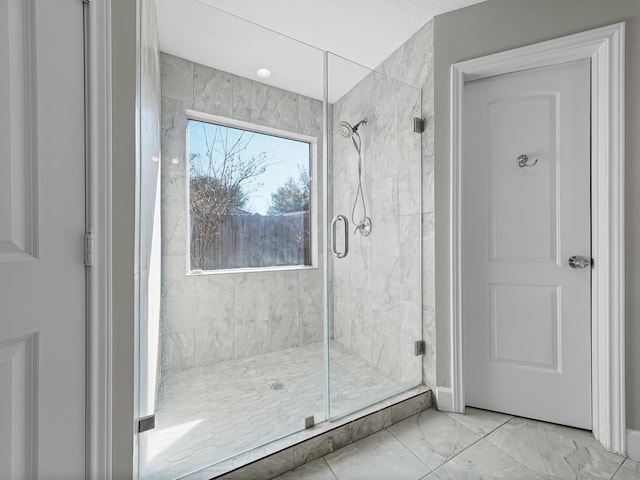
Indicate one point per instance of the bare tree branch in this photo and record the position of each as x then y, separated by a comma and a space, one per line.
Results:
220, 179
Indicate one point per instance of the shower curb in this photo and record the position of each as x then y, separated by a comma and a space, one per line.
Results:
291, 452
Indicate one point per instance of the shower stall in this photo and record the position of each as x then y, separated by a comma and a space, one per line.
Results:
280, 228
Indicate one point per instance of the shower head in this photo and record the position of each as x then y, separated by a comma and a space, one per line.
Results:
347, 131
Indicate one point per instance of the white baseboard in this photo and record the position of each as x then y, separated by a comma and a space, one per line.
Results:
444, 399
633, 444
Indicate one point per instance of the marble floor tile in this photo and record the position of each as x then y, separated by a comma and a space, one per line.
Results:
586, 438
433, 436
431, 476
557, 452
550, 454
633, 465
481, 422
518, 449
316, 470
481, 461
626, 474
210, 413
377, 457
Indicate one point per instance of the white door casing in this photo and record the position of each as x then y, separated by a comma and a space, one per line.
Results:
42, 273
605, 47
526, 312
98, 96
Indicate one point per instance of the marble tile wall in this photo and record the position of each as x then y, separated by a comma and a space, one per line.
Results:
376, 301
213, 318
378, 307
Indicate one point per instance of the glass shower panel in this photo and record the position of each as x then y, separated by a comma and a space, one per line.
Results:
240, 349
375, 183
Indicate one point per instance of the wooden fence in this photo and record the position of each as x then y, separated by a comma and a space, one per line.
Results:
245, 241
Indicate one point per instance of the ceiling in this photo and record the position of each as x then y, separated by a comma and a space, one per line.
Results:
240, 36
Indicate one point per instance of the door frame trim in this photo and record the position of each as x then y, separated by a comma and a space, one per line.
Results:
99, 319
605, 47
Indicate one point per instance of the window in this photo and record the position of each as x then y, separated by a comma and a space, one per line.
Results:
249, 197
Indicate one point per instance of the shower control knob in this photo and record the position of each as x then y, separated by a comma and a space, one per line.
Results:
579, 262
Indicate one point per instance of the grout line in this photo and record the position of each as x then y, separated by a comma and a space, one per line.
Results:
616, 472
409, 450
482, 438
508, 454
435, 475
483, 435
448, 459
329, 466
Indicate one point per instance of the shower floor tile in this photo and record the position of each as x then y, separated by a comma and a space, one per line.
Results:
207, 414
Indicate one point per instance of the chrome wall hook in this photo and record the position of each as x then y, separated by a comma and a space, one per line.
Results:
523, 161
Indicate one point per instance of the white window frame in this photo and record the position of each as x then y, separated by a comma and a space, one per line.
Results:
313, 193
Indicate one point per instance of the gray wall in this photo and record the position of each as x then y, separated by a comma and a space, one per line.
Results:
498, 25
377, 307
216, 317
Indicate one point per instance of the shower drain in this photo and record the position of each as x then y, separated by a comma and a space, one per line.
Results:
277, 386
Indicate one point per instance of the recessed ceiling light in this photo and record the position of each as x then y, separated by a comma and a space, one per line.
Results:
263, 72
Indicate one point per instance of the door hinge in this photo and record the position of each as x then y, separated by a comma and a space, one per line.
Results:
419, 347
88, 249
146, 423
309, 421
418, 125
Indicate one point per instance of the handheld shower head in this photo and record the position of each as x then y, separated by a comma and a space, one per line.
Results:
346, 130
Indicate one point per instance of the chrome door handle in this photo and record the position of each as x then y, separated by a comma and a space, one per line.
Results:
334, 223
579, 262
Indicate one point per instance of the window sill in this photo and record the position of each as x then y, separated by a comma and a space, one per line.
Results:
227, 271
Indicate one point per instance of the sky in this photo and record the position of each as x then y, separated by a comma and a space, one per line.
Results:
284, 155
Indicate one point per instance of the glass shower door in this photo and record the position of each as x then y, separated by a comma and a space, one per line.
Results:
231, 337
248, 326
375, 231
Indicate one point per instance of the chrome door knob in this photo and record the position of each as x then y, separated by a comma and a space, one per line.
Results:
579, 262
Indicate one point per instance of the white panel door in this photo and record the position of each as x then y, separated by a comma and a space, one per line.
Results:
42, 328
526, 312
